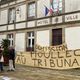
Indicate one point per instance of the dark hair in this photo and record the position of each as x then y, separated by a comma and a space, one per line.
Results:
0, 46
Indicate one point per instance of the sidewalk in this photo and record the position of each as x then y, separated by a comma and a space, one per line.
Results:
30, 73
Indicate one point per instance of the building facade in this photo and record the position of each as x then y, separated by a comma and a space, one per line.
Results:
44, 22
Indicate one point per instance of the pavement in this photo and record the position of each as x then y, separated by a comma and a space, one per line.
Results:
31, 73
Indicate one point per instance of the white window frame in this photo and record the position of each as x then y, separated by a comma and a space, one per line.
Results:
31, 37
11, 39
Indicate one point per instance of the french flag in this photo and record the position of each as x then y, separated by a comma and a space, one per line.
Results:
46, 10
49, 10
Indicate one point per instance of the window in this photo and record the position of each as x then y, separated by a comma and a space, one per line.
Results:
10, 37
57, 6
56, 36
11, 15
31, 10
30, 41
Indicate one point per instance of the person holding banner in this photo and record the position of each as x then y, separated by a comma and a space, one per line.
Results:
11, 59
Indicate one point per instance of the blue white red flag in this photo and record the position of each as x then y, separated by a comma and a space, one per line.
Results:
46, 10
49, 10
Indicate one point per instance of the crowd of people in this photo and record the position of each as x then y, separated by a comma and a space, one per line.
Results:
11, 58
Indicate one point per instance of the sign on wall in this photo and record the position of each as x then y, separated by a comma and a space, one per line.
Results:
72, 17
43, 22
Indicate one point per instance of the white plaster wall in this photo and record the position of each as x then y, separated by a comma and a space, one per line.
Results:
11, 3
19, 1
41, 7
5, 5
72, 37
72, 5
11, 27
2, 37
31, 24
4, 17
20, 25
21, 16
43, 38
20, 42
3, 28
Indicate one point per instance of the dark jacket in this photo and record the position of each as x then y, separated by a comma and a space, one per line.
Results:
11, 54
0, 53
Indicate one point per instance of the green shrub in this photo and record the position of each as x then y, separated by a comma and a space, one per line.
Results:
5, 44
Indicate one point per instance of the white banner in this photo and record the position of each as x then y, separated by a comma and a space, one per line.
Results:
53, 57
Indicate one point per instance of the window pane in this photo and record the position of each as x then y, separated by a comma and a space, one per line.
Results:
60, 0
10, 37
31, 10
55, 1
56, 36
32, 33
11, 15
29, 7
29, 42
57, 5
31, 13
60, 4
29, 34
12, 42
32, 42
60, 9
